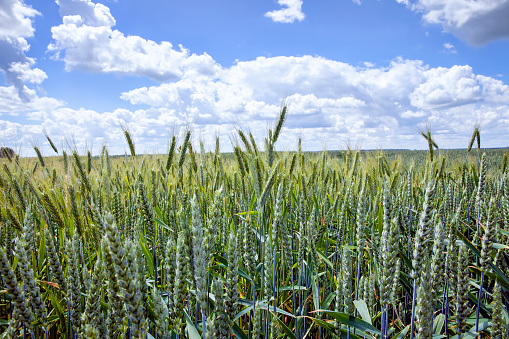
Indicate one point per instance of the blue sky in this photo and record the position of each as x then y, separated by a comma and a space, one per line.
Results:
367, 74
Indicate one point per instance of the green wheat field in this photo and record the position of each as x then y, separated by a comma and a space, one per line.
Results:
256, 243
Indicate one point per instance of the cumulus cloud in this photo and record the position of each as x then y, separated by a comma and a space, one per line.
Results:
447, 87
292, 11
330, 104
10, 130
85, 40
15, 19
476, 22
91, 14
12, 104
15, 27
380, 106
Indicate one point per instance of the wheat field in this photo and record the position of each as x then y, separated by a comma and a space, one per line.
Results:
256, 243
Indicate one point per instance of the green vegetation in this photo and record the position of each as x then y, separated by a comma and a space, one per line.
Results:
255, 243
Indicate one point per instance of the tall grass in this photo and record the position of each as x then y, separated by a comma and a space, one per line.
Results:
256, 243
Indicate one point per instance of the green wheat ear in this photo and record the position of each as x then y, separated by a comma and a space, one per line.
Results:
171, 152
425, 304
22, 312
93, 317
183, 149
129, 140
29, 283
499, 328
475, 135
39, 155
160, 314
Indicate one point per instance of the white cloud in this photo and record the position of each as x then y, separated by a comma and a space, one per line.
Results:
11, 104
449, 48
447, 87
15, 27
26, 73
91, 14
380, 106
476, 22
85, 40
292, 11
330, 104
15, 19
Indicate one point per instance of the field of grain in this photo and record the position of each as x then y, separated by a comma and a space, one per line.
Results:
255, 243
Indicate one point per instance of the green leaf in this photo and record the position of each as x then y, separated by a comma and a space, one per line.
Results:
361, 306
58, 309
472, 334
500, 276
161, 223
223, 261
147, 253
329, 325
263, 306
238, 332
290, 288
288, 332
498, 246
42, 252
403, 332
492, 276
352, 321
380, 220
504, 232
241, 313
324, 323
438, 323
191, 330
324, 258
328, 300
159, 219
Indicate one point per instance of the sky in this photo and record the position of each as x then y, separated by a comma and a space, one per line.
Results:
365, 74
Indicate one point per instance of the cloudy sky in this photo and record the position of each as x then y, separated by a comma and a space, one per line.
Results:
363, 73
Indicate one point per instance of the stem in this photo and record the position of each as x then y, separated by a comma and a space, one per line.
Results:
393, 316
382, 322
208, 284
446, 303
477, 233
204, 324
412, 322
293, 297
196, 312
479, 304
357, 284
274, 281
300, 299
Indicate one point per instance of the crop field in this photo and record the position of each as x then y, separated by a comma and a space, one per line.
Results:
255, 243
